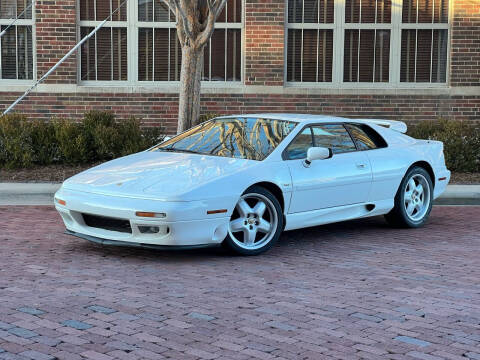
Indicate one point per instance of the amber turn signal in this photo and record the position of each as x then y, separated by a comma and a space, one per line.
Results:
61, 202
221, 211
150, 214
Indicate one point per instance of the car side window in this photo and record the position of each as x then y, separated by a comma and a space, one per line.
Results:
333, 136
299, 146
365, 137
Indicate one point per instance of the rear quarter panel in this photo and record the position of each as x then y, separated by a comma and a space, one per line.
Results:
389, 165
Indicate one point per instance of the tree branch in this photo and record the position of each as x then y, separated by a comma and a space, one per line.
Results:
211, 6
183, 18
220, 6
215, 7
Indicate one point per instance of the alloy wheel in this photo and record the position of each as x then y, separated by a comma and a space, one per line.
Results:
254, 222
417, 197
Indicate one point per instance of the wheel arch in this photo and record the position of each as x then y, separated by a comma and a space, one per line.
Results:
428, 168
274, 189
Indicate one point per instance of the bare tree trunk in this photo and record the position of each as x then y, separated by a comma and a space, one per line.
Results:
195, 25
190, 82
197, 92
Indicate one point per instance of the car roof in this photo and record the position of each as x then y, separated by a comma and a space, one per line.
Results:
299, 118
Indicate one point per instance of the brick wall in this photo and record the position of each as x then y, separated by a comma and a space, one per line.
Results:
156, 109
56, 35
264, 41
465, 49
264, 65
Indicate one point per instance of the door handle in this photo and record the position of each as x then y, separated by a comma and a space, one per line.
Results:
361, 166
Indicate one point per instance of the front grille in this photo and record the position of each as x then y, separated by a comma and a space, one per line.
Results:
107, 223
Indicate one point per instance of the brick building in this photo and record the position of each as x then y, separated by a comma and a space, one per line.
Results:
400, 59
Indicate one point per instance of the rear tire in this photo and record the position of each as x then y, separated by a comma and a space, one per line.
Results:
413, 201
256, 222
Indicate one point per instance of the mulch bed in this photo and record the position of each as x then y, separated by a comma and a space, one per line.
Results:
58, 173
465, 178
50, 173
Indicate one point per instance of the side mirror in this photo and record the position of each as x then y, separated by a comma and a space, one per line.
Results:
317, 153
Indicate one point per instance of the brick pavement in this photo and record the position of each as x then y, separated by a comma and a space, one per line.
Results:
349, 291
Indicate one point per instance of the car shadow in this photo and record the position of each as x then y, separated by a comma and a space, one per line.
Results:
317, 237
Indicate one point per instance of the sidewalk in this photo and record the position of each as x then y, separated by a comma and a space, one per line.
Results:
460, 195
42, 194
27, 193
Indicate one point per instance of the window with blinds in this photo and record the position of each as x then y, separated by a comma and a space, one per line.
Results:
310, 40
140, 43
424, 41
366, 47
366, 41
16, 45
159, 52
104, 57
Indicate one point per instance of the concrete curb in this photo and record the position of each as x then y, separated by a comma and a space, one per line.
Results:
27, 193
460, 195
42, 194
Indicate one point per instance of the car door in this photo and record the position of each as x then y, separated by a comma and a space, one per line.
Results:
387, 166
343, 179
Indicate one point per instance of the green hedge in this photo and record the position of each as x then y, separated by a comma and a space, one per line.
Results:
98, 137
461, 142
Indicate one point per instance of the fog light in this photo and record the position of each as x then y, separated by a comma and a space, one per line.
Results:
67, 218
149, 229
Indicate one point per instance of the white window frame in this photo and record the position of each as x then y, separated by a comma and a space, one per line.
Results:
133, 25
108, 24
22, 22
395, 26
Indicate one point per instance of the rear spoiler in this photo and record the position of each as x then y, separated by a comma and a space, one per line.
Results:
399, 126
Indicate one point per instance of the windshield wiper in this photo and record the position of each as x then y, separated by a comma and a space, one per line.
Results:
179, 150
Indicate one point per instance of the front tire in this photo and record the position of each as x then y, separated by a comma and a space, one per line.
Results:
413, 201
256, 222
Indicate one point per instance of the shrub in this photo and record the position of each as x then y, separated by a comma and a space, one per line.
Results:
130, 137
461, 142
152, 136
98, 137
15, 142
43, 141
72, 142
205, 117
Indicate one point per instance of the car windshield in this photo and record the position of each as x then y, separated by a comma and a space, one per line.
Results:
243, 138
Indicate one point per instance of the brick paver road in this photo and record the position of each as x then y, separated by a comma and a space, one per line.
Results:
352, 290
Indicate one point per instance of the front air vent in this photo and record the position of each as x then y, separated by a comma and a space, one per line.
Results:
106, 223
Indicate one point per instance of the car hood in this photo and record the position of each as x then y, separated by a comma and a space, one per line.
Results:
157, 174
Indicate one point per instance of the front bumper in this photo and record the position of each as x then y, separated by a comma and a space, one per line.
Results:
186, 224
107, 242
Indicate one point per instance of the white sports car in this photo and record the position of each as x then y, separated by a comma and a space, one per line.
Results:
242, 180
